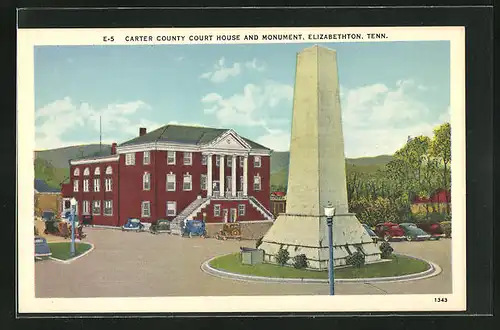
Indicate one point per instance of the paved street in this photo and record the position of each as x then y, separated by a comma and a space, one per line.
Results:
127, 264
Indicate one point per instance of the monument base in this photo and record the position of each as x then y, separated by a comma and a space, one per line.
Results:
308, 235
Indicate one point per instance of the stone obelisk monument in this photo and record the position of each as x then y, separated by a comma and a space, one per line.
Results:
317, 173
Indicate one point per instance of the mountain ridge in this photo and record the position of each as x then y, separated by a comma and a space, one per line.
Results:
58, 159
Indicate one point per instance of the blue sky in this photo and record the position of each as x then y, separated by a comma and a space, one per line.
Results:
389, 90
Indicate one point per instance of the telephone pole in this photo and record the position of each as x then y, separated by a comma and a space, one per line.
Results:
100, 135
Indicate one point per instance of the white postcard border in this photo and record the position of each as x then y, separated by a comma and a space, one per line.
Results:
28, 303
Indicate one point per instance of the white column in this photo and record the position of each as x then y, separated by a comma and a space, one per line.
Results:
233, 176
209, 175
222, 176
245, 176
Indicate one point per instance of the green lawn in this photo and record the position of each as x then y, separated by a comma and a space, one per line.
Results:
399, 265
61, 250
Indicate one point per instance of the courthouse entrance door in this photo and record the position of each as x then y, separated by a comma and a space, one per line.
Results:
233, 215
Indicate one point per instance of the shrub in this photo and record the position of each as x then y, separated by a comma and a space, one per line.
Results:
259, 242
437, 217
300, 261
357, 259
418, 217
374, 210
446, 225
386, 250
282, 257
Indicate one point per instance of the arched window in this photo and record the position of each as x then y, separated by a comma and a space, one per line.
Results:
86, 171
97, 171
76, 172
146, 181
109, 170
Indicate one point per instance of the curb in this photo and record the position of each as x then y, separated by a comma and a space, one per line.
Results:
68, 261
434, 270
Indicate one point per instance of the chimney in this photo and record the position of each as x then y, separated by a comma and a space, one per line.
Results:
113, 148
142, 131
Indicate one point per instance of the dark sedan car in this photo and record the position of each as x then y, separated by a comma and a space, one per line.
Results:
413, 233
42, 249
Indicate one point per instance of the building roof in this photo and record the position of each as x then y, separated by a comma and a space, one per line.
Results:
194, 135
42, 187
439, 196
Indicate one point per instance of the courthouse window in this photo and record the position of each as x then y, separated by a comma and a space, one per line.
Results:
256, 183
96, 207
187, 182
170, 182
145, 209
130, 159
203, 182
108, 207
188, 158
171, 157
171, 209
146, 181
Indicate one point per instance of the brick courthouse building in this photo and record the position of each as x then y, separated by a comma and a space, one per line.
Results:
174, 172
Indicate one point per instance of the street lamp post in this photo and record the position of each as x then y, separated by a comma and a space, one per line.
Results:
330, 213
73, 211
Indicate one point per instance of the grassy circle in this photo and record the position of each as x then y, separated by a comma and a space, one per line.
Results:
398, 265
61, 250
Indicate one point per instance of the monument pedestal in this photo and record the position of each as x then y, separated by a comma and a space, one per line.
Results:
307, 234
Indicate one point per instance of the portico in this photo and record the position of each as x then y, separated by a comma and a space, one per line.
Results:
227, 189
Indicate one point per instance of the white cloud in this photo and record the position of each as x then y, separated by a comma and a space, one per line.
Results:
256, 106
277, 140
254, 65
248, 108
63, 117
221, 72
378, 119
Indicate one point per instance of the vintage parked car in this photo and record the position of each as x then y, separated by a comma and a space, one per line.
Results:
133, 225
229, 230
194, 228
42, 249
413, 233
432, 228
62, 227
87, 220
160, 226
48, 215
57, 227
370, 232
390, 231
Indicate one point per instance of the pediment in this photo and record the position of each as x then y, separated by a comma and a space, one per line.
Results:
230, 141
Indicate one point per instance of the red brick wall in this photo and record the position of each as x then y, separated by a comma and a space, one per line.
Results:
183, 198
131, 188
128, 192
265, 173
102, 195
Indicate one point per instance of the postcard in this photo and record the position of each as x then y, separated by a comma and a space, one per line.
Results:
241, 170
